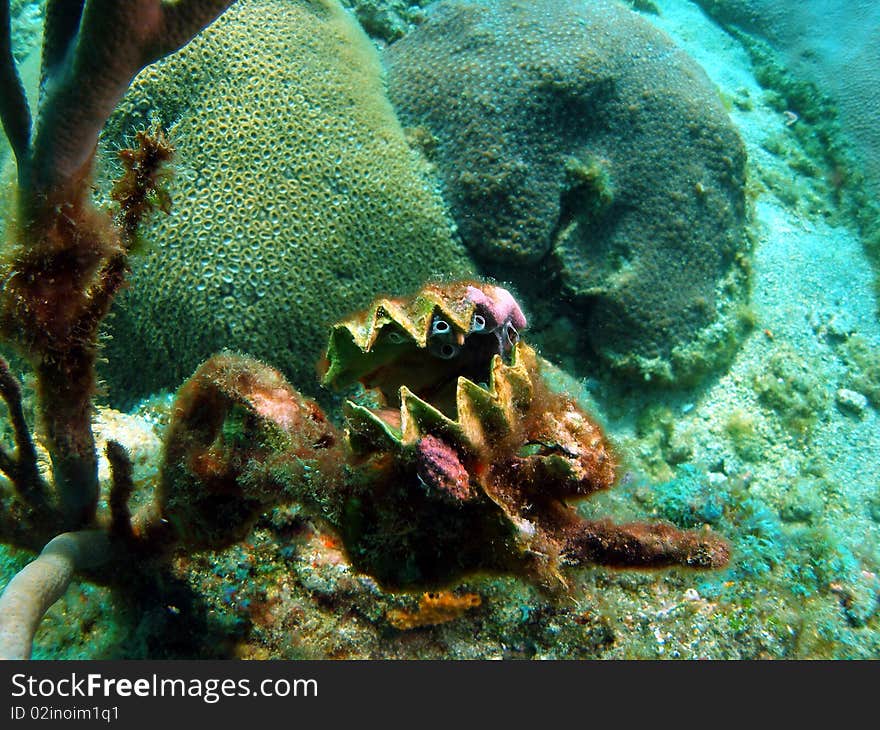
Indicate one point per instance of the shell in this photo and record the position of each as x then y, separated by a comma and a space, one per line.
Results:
468, 456
483, 415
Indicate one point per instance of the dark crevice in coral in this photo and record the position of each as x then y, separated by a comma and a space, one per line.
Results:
162, 617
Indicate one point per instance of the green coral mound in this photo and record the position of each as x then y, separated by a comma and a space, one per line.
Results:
579, 148
296, 197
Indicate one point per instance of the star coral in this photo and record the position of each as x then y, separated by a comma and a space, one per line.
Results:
298, 181
583, 153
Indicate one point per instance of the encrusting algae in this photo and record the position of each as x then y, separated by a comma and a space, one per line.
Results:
434, 608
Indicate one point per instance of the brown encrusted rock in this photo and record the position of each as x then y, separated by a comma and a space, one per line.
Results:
575, 142
240, 439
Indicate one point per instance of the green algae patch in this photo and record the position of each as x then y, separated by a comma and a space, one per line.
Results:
787, 386
742, 430
863, 363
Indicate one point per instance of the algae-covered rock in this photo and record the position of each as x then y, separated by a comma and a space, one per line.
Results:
296, 197
575, 141
387, 20
786, 384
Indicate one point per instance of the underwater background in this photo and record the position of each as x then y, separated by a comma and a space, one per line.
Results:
682, 197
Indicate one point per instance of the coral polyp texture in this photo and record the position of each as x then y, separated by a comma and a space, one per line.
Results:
607, 160
298, 186
462, 459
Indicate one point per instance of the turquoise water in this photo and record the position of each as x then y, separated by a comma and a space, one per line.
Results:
681, 196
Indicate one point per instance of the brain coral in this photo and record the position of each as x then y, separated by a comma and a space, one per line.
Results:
296, 196
578, 146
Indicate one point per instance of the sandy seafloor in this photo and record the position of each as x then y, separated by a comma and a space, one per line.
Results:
791, 474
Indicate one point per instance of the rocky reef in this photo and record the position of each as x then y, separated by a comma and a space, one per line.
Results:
460, 496
463, 462
607, 160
